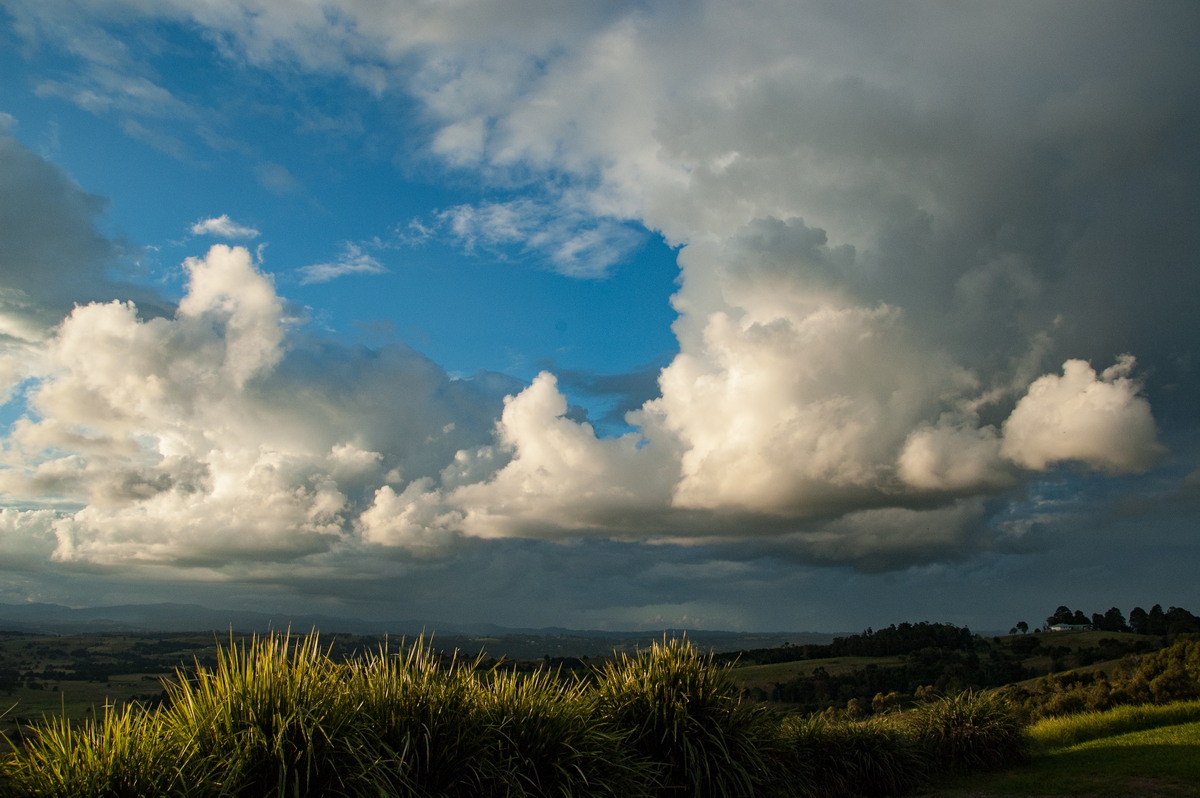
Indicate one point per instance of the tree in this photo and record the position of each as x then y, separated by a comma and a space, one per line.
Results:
1139, 621
1022, 627
1180, 621
1061, 615
1156, 621
1114, 621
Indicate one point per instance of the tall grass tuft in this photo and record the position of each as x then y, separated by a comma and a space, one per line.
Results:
682, 713
969, 730
426, 719
122, 753
548, 743
271, 719
836, 757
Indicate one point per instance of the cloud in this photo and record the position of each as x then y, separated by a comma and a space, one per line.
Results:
568, 241
277, 178
213, 437
560, 479
953, 457
352, 261
223, 227
1101, 421
52, 255
891, 228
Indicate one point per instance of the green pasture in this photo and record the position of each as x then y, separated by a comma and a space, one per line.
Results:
766, 676
1148, 751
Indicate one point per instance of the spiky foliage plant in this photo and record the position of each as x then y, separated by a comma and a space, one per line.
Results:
969, 730
124, 753
271, 719
837, 757
425, 717
548, 743
682, 713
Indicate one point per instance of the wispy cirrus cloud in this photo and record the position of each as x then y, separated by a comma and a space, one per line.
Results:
353, 260
570, 241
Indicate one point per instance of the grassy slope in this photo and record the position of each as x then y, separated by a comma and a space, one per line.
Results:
1158, 762
766, 676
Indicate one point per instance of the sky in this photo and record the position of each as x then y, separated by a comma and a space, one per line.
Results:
769, 315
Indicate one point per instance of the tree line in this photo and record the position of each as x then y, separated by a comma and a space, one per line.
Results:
1156, 621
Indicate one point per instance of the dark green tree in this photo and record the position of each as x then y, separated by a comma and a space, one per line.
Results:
1114, 621
1139, 621
1180, 621
1156, 622
1061, 615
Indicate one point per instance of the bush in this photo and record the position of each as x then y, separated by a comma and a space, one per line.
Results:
969, 730
682, 713
272, 719
835, 757
547, 741
425, 719
124, 753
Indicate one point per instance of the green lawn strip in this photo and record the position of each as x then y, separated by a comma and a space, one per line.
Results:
779, 672
75, 700
1162, 762
1061, 732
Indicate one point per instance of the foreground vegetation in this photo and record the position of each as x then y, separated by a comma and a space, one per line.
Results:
278, 716
1133, 750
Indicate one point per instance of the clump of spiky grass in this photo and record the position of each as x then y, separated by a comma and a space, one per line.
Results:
425, 716
832, 757
271, 719
123, 753
969, 730
682, 713
547, 741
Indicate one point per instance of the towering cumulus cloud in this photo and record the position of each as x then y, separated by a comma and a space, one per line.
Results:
929, 255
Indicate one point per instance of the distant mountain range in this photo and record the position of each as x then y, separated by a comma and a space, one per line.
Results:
55, 619
167, 617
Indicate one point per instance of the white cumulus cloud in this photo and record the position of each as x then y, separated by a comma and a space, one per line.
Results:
223, 227
1100, 420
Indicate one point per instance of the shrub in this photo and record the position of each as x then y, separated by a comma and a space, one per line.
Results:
547, 741
682, 714
123, 753
426, 719
834, 757
271, 719
969, 730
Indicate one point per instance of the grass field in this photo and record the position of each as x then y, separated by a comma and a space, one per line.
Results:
1159, 762
766, 676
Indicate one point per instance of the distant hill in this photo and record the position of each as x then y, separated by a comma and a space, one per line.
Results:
55, 619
